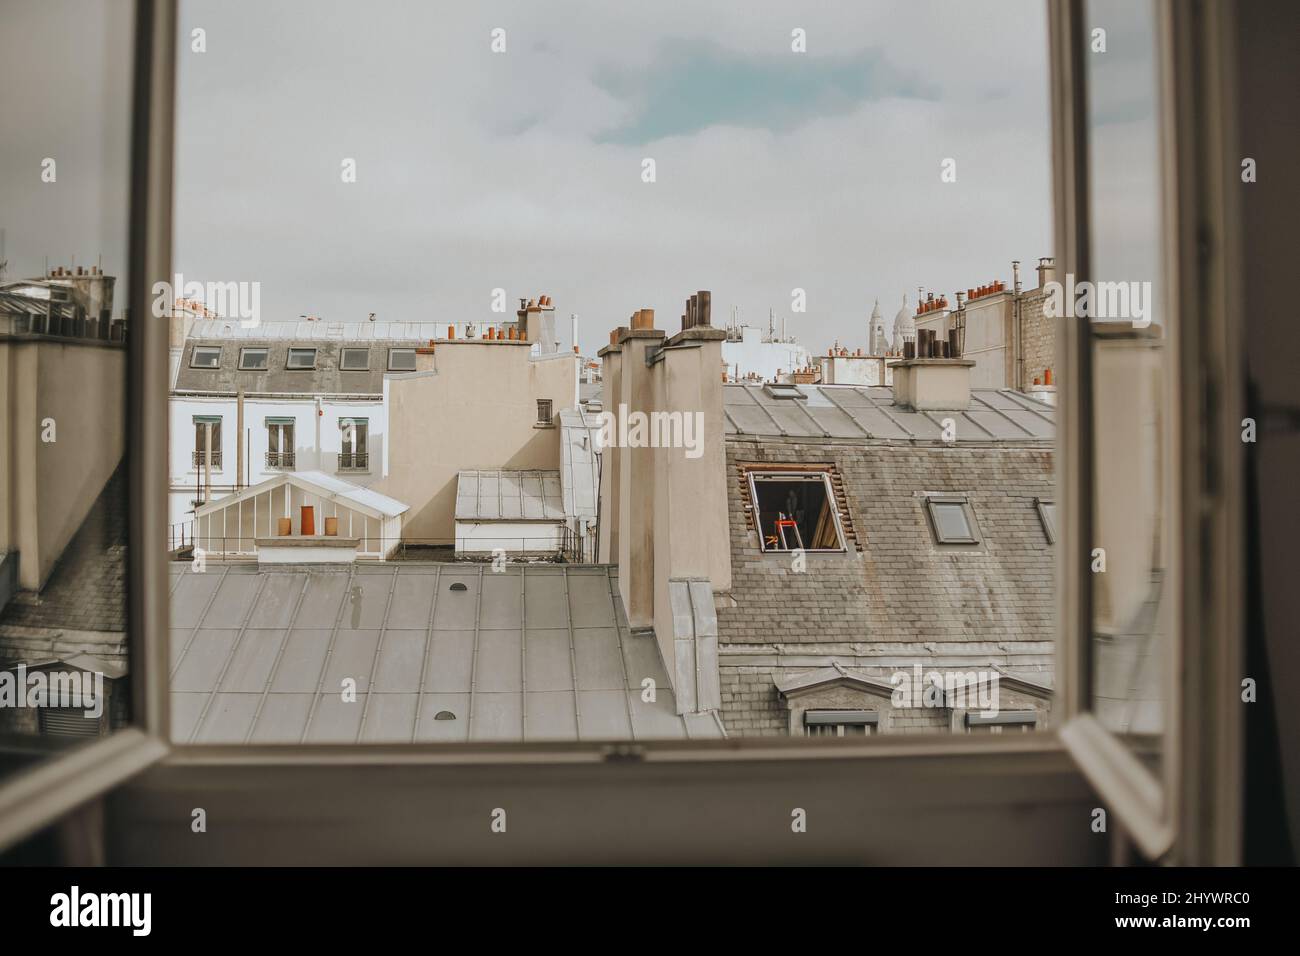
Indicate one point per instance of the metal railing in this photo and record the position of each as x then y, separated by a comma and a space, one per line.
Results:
280, 459
354, 461
198, 456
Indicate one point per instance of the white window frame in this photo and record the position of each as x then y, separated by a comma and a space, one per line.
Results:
1196, 800
1190, 811
976, 537
343, 354
754, 475
1047, 518
243, 353
288, 358
194, 354
404, 351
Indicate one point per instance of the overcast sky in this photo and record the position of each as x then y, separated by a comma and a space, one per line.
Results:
522, 170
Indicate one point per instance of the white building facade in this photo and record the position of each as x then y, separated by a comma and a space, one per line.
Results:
312, 400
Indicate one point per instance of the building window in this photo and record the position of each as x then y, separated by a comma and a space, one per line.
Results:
840, 723
206, 356
355, 434
279, 443
302, 358
544, 411
201, 425
253, 359
795, 511
355, 360
951, 520
1005, 722
1047, 514
401, 360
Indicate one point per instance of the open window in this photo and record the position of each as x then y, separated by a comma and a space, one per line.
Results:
1047, 515
795, 511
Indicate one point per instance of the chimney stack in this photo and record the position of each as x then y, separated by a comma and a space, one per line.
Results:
1046, 270
932, 384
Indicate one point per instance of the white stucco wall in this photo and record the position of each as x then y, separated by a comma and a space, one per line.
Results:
311, 453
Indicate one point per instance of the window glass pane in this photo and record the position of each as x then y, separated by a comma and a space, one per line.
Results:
1130, 366
206, 357
950, 521
253, 358
65, 99
476, 481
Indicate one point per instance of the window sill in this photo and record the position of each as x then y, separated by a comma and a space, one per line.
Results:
923, 798
543, 424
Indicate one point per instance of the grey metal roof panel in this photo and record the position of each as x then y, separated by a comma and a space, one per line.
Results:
282, 719
250, 665
869, 412
509, 496
535, 653
579, 462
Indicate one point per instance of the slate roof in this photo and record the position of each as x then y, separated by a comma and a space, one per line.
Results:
82, 608
528, 653
857, 413
276, 379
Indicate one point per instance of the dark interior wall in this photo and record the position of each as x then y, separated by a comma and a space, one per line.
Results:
1268, 34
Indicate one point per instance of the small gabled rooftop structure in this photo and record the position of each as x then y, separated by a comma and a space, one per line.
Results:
518, 512
231, 526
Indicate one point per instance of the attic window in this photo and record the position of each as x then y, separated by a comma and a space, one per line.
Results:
783, 390
1007, 721
795, 511
252, 359
301, 358
206, 356
1047, 514
951, 520
840, 723
401, 360
355, 360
